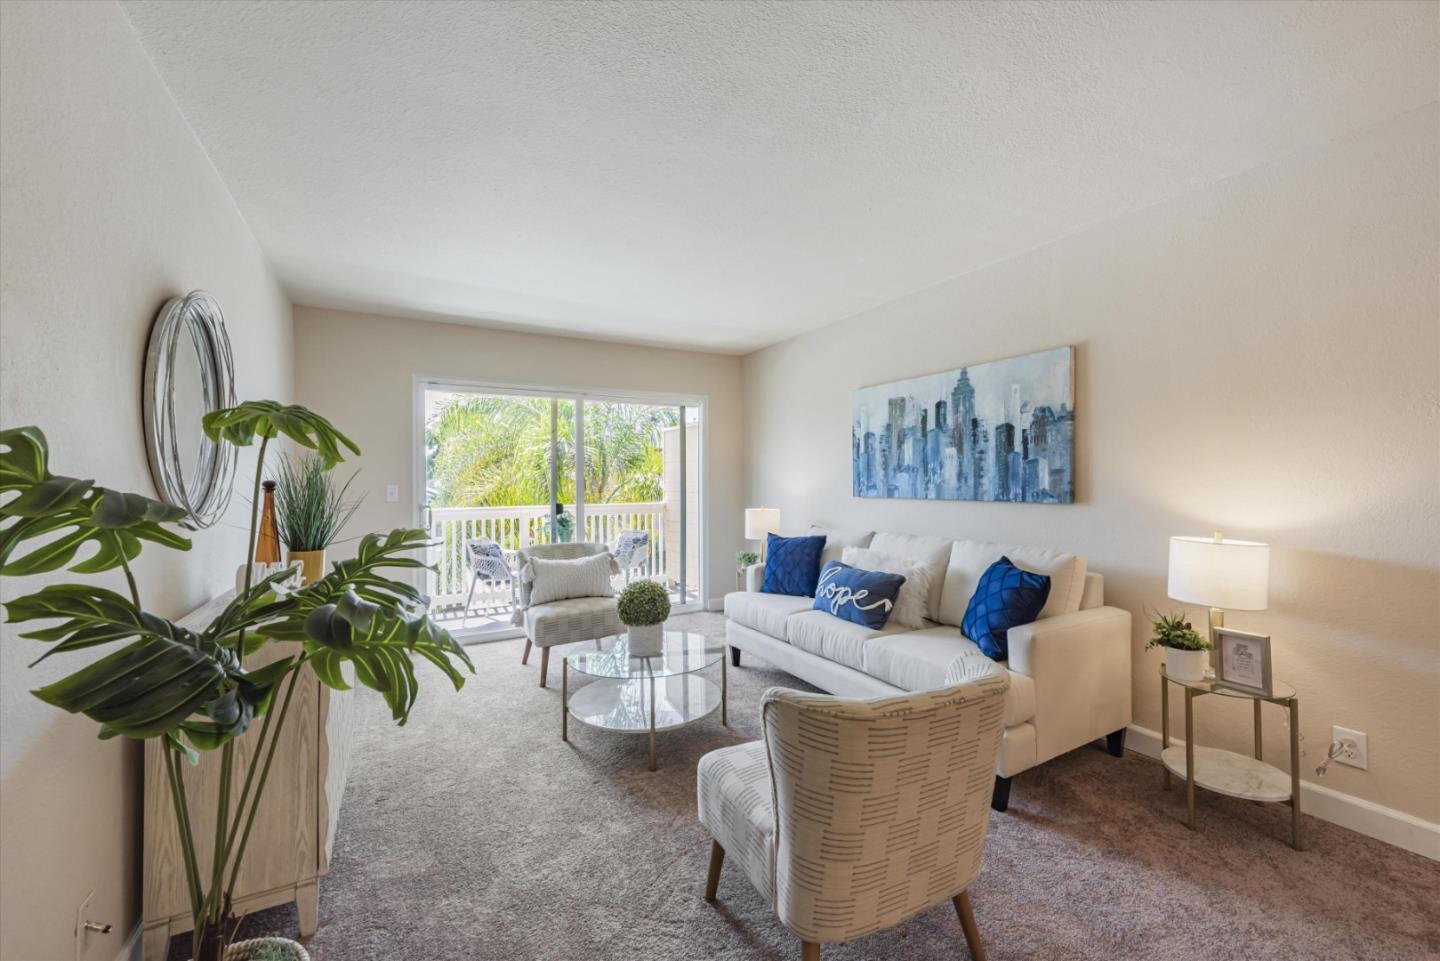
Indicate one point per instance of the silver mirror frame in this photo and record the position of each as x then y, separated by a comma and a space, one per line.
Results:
197, 317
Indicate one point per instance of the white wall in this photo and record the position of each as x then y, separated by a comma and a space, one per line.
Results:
109, 207
359, 369
1262, 357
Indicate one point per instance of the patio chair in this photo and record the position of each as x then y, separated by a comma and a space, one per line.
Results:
632, 550
486, 560
853, 815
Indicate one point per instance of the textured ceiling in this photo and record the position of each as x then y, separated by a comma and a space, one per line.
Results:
725, 175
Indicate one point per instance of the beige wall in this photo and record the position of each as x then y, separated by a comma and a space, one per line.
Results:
109, 208
360, 369
1261, 356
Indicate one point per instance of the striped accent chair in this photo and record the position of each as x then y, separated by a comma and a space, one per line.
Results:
567, 621
853, 815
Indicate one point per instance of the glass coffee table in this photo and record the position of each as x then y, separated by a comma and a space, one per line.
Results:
645, 695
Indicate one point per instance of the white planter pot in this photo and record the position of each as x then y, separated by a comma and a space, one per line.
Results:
645, 640
1185, 665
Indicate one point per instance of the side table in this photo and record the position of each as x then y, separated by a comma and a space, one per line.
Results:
1226, 772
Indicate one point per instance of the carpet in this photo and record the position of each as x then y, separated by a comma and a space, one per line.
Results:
474, 832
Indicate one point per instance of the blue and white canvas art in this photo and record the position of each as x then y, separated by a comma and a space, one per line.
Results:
1002, 431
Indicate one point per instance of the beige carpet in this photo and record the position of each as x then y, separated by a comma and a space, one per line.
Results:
475, 833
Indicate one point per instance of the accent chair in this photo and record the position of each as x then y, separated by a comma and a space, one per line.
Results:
852, 815
567, 621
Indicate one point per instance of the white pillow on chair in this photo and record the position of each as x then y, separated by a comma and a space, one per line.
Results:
552, 580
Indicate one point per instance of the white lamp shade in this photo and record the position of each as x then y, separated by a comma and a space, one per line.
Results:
760, 521
1230, 575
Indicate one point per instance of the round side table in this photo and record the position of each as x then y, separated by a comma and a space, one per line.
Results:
1226, 772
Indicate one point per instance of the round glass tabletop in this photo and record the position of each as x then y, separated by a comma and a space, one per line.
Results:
1280, 691
682, 653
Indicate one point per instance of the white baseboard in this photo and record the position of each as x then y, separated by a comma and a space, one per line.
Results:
1363, 817
715, 604
130, 950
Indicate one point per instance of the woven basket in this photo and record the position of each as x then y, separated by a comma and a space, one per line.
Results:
266, 949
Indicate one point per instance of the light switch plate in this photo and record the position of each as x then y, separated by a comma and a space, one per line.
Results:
392, 493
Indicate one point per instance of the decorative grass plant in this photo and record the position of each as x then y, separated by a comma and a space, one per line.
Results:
310, 508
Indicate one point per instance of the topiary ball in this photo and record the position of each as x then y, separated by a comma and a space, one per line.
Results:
643, 602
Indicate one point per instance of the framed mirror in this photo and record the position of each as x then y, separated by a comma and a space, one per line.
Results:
188, 373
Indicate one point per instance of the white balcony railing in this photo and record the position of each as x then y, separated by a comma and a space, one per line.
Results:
516, 527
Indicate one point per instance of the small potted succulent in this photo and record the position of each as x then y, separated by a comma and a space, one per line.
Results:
643, 608
743, 560
1184, 646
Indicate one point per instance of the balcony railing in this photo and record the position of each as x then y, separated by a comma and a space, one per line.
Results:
514, 528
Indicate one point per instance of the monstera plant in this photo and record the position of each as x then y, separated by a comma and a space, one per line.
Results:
192, 688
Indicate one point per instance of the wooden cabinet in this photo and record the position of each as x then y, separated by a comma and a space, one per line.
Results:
294, 830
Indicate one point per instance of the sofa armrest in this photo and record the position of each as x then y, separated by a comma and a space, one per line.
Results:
1080, 664
754, 577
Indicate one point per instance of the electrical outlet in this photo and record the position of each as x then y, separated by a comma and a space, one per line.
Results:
82, 935
1353, 748
392, 493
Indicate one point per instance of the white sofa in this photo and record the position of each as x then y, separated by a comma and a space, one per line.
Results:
1069, 669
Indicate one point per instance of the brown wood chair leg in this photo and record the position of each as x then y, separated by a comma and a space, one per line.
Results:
809, 951
544, 664
712, 880
967, 924
525, 658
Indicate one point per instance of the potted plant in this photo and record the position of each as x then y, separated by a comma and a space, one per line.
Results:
1184, 646
310, 509
192, 689
643, 608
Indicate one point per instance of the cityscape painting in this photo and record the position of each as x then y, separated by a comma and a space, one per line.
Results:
1002, 431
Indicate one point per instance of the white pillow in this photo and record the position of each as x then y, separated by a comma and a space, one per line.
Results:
910, 602
552, 580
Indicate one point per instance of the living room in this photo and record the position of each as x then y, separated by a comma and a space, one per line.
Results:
731, 480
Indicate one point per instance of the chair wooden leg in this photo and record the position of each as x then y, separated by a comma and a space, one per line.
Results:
809, 951
967, 924
712, 880
544, 664
525, 658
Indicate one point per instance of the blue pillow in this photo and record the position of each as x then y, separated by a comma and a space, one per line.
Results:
792, 564
1006, 597
864, 597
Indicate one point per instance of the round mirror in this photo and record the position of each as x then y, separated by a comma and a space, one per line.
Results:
188, 373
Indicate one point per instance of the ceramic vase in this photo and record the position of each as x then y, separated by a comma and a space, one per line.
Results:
645, 640
1185, 665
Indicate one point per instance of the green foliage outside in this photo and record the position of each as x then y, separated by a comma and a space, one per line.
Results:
494, 451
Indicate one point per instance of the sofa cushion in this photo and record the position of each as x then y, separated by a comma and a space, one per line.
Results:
933, 552
827, 636
970, 559
918, 661
1006, 597
910, 603
792, 565
766, 613
865, 597
836, 540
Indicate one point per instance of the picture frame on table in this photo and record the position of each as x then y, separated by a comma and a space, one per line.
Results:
1242, 661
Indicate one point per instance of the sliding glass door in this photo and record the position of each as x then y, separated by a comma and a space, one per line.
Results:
504, 469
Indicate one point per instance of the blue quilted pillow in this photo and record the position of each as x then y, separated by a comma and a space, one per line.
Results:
1006, 597
792, 565
864, 597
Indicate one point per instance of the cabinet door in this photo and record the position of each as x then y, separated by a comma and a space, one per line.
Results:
283, 848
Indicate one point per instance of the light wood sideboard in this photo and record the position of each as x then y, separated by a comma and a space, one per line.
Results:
295, 829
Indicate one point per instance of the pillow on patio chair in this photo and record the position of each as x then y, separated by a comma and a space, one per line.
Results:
562, 580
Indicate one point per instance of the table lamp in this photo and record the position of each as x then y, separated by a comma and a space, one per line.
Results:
760, 521
1219, 574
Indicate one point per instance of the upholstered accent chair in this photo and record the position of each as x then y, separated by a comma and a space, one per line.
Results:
852, 815
567, 621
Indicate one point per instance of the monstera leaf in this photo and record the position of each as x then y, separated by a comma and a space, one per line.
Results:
66, 513
267, 419
168, 679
